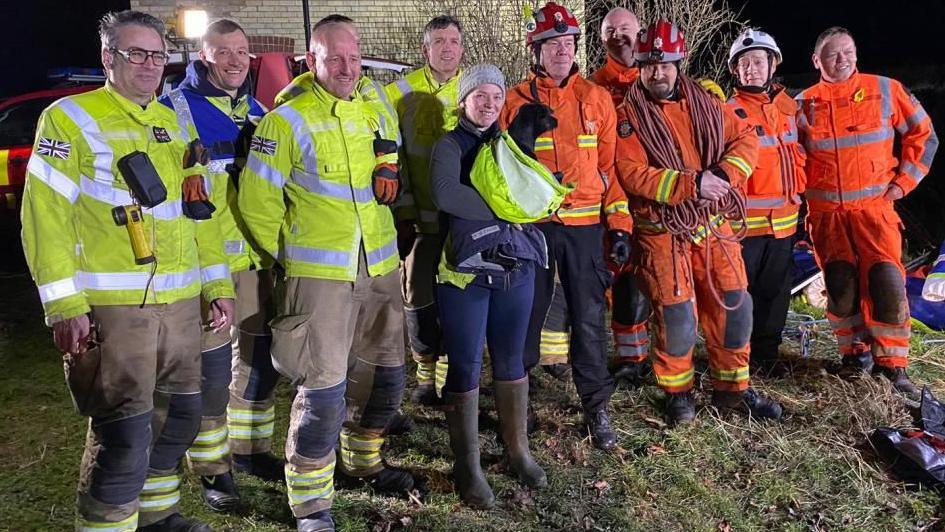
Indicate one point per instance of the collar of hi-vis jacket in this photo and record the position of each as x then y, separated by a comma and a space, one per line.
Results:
844, 87
198, 80
777, 95
435, 85
353, 108
152, 114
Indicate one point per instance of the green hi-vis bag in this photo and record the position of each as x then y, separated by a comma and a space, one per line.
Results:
516, 187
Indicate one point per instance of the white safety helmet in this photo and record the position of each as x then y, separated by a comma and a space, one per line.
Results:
752, 39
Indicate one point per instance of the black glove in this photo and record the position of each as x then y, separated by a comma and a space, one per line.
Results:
619, 246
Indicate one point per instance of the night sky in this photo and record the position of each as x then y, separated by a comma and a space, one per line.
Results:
40, 34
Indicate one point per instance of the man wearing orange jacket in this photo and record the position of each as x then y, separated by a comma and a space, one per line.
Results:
773, 191
581, 151
848, 123
630, 308
679, 148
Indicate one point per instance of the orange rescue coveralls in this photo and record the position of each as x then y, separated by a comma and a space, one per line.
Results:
629, 307
848, 129
674, 273
581, 148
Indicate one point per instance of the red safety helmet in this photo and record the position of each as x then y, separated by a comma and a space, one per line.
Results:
549, 22
661, 42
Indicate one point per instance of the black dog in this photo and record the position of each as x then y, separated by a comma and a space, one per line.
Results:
532, 120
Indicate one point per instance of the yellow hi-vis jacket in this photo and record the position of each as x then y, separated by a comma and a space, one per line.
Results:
77, 254
426, 109
220, 187
306, 192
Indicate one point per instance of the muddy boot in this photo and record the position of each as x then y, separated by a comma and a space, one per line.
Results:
511, 402
680, 408
748, 402
900, 381
630, 375
853, 367
561, 372
602, 433
399, 424
462, 416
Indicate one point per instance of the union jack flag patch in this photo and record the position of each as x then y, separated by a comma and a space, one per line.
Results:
53, 148
262, 145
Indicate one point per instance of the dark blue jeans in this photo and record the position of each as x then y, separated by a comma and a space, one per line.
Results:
479, 315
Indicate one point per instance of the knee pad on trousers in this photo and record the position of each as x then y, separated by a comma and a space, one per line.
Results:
321, 421
843, 297
179, 430
679, 323
215, 375
738, 322
888, 293
121, 464
386, 395
423, 330
263, 377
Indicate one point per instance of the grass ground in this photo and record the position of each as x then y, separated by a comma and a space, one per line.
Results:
814, 471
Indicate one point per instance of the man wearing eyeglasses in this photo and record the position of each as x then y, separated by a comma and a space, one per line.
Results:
125, 305
214, 99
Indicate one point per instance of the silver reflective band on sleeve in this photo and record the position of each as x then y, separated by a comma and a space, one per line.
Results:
263, 170
314, 184
234, 247
320, 257
136, 280
57, 290
383, 253
218, 166
852, 195
215, 272
768, 203
184, 117
90, 132
885, 97
912, 171
45, 172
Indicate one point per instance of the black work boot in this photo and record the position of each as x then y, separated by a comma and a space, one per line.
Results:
561, 372
602, 434
260, 465
462, 416
219, 492
853, 367
680, 408
768, 364
316, 522
900, 381
424, 394
176, 523
399, 424
511, 402
388, 481
748, 402
630, 375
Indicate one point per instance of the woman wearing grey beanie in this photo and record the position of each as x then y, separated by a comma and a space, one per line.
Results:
485, 291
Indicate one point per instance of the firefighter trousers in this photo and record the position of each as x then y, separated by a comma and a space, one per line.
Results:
769, 262
576, 254
341, 344
678, 280
140, 387
860, 253
237, 380
418, 285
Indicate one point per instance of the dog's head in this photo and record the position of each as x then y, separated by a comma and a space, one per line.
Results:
532, 120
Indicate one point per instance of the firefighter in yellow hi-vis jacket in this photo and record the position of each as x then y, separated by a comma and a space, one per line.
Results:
111, 188
315, 195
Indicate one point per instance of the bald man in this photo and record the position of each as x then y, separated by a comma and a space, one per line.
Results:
315, 164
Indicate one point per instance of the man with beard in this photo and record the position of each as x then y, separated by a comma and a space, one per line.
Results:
678, 152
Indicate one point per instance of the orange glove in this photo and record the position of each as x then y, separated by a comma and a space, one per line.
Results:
386, 172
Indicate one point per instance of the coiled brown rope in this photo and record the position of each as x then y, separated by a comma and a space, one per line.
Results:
684, 219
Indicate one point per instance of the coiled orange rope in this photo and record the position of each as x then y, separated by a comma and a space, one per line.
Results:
684, 219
